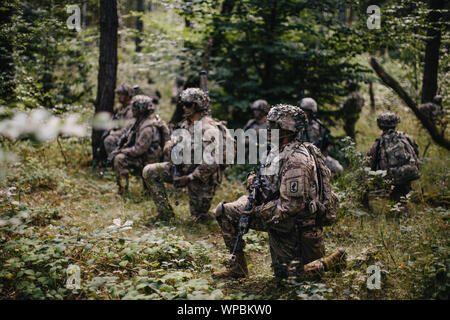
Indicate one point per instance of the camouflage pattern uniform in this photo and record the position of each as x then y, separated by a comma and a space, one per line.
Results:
351, 109
387, 122
254, 123
318, 134
205, 178
433, 110
111, 141
294, 237
144, 142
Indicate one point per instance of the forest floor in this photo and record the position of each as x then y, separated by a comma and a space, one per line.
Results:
59, 212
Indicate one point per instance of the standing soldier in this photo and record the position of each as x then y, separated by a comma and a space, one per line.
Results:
351, 108
201, 179
144, 141
260, 108
287, 213
111, 137
397, 153
318, 133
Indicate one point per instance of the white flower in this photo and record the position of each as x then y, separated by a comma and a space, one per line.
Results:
117, 225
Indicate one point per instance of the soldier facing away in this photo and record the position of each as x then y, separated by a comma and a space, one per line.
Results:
295, 234
111, 138
351, 108
201, 179
318, 134
144, 141
397, 153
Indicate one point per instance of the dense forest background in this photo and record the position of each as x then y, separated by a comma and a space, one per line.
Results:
56, 211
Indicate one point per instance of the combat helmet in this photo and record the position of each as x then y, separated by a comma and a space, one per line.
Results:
287, 117
308, 104
262, 105
125, 89
352, 85
197, 97
387, 120
143, 104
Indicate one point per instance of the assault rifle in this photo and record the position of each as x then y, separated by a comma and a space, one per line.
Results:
123, 142
255, 198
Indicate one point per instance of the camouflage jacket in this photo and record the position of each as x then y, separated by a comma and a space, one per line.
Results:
353, 104
318, 134
145, 141
376, 163
207, 173
296, 181
123, 113
253, 124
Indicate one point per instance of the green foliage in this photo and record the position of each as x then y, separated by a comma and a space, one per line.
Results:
50, 60
277, 50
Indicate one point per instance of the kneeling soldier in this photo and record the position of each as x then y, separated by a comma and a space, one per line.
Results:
144, 141
201, 179
295, 236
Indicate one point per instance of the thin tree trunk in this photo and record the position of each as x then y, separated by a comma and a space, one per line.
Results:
433, 43
438, 137
139, 25
107, 69
372, 97
6, 54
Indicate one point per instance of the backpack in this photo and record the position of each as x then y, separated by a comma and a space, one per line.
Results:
398, 155
225, 135
163, 129
327, 200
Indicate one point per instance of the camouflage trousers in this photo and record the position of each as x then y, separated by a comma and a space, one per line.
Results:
200, 195
290, 246
112, 140
122, 166
349, 126
400, 191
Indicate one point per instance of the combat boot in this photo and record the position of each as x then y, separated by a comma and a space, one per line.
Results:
123, 187
237, 270
335, 261
316, 268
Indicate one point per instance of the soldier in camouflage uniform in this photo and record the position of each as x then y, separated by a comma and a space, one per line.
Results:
433, 110
144, 141
125, 96
294, 238
351, 108
201, 179
395, 152
260, 108
318, 133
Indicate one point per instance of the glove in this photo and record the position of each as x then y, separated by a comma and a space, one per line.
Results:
249, 182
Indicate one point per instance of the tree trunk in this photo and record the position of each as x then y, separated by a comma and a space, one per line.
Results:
433, 43
438, 137
139, 25
6, 54
107, 69
372, 97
